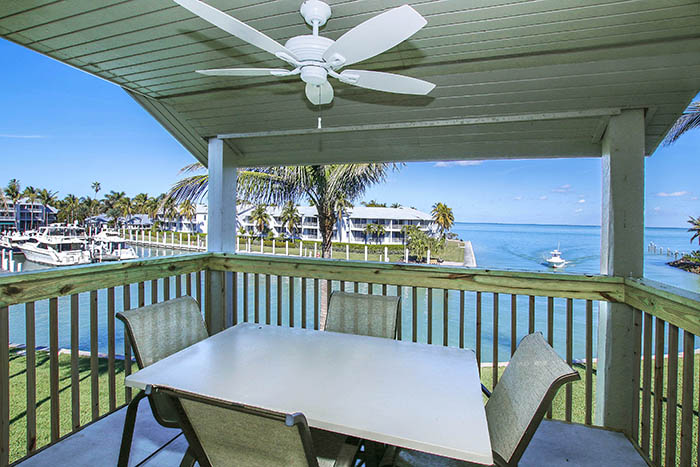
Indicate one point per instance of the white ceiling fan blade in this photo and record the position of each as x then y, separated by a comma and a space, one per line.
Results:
319, 95
387, 82
246, 72
236, 28
374, 36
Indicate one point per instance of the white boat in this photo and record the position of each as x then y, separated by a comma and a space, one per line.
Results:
555, 260
12, 240
56, 250
108, 245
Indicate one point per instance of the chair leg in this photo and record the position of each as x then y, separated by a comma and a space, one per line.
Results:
188, 459
128, 433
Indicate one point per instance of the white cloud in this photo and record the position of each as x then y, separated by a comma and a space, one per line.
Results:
562, 189
674, 194
21, 136
543, 197
518, 198
694, 198
578, 210
657, 209
459, 163
581, 201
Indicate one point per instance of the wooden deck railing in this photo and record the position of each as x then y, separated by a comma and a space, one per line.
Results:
488, 311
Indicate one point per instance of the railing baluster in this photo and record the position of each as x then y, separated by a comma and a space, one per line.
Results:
142, 296
279, 301
110, 349
316, 307
245, 297
672, 395
430, 315
5, 385
74, 359
531, 315
198, 278
384, 289
53, 369
342, 286
657, 438
550, 334
94, 363
329, 288
569, 354
154, 291
589, 362
303, 302
646, 384
637, 359
478, 330
234, 298
494, 359
178, 286
166, 289
414, 305
267, 299
687, 410
356, 287
399, 332
461, 319
126, 302
445, 313
513, 323
188, 284
291, 301
370, 288
256, 296
30, 330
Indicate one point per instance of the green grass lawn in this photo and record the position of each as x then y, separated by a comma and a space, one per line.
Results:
18, 401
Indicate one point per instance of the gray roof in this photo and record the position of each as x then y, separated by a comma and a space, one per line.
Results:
514, 79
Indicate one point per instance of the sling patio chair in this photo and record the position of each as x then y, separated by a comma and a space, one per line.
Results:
515, 408
363, 314
155, 332
222, 433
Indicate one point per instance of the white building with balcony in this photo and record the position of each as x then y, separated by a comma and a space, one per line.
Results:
351, 228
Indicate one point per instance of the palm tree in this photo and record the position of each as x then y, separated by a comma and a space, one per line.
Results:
321, 185
695, 228
374, 230
689, 120
70, 207
47, 198
187, 210
13, 193
290, 217
140, 202
96, 187
443, 217
395, 205
373, 203
125, 207
32, 195
260, 218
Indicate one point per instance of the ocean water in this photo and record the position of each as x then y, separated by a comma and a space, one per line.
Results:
496, 246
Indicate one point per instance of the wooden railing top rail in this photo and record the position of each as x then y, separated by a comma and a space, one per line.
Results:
591, 287
32, 286
676, 306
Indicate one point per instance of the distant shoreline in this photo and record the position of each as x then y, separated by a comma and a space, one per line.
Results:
560, 225
688, 266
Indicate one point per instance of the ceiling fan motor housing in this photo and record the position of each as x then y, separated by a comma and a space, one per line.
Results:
315, 10
310, 48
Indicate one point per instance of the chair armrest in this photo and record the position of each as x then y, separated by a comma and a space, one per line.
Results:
486, 392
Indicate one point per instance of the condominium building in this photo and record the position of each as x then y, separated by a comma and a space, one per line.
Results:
25, 215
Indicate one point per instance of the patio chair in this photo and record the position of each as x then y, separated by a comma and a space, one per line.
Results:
155, 332
362, 314
222, 434
514, 410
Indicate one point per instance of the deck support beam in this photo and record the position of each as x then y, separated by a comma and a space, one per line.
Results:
622, 254
221, 227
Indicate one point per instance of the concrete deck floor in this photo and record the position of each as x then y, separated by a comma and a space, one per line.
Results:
554, 444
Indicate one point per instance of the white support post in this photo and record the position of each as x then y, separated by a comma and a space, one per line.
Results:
274, 242
622, 255
428, 259
386, 254
221, 230
405, 255
301, 248
365, 252
347, 252
286, 248
315, 250
262, 245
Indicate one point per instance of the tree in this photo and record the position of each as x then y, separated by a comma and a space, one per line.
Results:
322, 185
375, 230
47, 198
96, 187
695, 228
13, 194
125, 207
373, 203
290, 217
69, 208
395, 205
140, 202
419, 243
686, 122
32, 195
443, 217
187, 210
260, 218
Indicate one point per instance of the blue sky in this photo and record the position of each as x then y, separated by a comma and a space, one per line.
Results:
63, 129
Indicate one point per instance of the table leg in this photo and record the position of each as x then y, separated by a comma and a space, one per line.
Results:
128, 433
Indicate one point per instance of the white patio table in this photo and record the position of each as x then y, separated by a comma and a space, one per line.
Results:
418, 396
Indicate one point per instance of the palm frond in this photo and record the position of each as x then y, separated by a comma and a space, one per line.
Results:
686, 122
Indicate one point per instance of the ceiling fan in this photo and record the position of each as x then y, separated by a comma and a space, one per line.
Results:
315, 58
